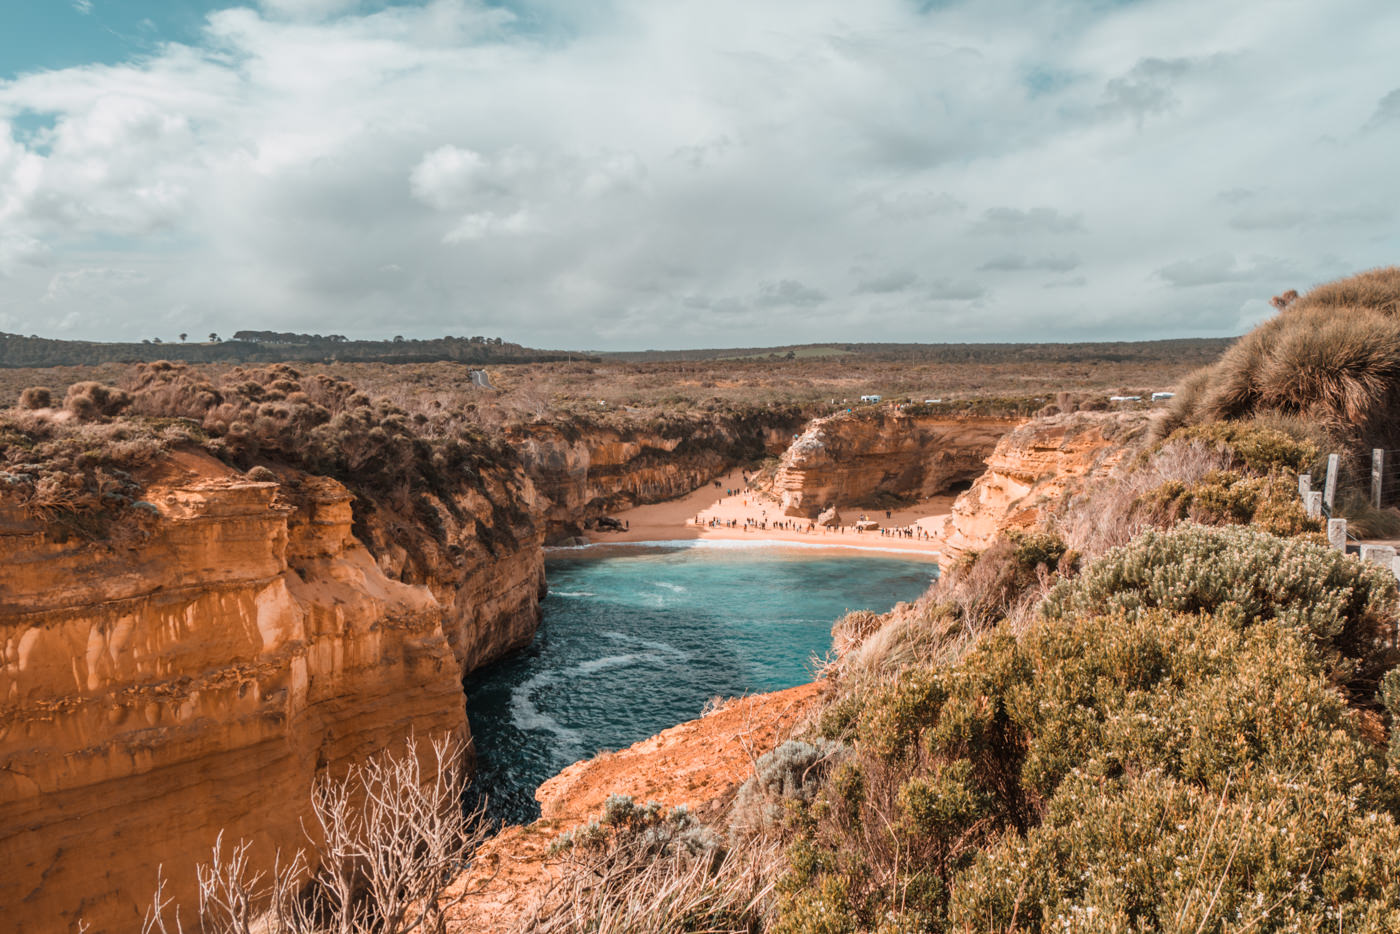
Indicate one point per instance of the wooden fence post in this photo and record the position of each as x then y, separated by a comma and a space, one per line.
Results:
1377, 471
1329, 490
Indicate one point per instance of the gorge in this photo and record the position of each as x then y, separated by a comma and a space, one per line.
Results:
250, 629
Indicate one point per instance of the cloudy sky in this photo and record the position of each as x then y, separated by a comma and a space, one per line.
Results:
621, 174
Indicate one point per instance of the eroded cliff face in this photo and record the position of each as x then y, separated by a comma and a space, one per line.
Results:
1032, 471
858, 458
197, 675
586, 471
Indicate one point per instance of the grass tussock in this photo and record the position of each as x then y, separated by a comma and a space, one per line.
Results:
1331, 357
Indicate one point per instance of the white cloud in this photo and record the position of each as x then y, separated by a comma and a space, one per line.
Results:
83, 6
640, 174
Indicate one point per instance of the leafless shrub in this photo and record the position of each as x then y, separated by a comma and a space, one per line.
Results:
384, 842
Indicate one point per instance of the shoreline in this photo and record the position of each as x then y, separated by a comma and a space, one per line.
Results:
732, 513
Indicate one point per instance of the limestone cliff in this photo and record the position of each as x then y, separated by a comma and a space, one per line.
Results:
866, 457
1033, 469
198, 673
586, 470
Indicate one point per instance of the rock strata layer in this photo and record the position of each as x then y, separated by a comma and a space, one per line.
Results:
1033, 469
871, 457
198, 676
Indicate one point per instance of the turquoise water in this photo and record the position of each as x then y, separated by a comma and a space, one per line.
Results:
637, 639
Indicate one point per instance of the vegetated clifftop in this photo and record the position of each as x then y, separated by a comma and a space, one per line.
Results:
584, 469
1033, 468
197, 672
865, 457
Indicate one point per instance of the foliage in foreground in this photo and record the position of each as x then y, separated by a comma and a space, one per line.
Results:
1164, 749
384, 842
642, 868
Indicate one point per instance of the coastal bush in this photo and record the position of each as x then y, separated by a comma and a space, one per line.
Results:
792, 772
984, 587
1346, 607
90, 399
1165, 747
36, 397
1221, 473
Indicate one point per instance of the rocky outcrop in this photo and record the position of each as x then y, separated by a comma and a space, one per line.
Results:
870, 458
583, 471
197, 675
1034, 468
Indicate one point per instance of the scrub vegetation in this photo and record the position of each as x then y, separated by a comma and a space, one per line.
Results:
1170, 707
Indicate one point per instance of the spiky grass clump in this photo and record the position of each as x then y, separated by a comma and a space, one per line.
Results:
1331, 357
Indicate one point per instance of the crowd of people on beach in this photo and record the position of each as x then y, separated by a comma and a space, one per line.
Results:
805, 526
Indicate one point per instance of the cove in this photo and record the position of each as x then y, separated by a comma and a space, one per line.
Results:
637, 639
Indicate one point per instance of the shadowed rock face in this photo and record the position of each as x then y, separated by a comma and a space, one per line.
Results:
586, 473
197, 678
856, 458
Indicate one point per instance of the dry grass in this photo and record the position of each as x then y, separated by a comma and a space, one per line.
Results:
641, 869
1331, 357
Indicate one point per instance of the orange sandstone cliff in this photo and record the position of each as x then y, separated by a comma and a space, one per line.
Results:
860, 458
196, 675
1033, 469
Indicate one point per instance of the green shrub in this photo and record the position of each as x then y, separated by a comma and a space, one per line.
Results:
1165, 747
1255, 447
1248, 575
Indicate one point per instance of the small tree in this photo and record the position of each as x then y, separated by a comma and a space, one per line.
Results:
182, 337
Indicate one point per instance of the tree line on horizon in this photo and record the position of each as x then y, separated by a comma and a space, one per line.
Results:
16, 350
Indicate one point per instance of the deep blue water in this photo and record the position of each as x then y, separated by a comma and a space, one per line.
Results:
637, 639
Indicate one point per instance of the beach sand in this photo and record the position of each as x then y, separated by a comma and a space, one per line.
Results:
676, 520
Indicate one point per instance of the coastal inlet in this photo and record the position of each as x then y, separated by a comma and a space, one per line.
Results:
636, 639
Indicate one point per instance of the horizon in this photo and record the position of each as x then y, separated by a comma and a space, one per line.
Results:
753, 349
622, 175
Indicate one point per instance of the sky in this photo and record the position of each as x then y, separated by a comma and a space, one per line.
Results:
631, 174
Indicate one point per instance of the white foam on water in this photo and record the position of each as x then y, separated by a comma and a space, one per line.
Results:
663, 647
674, 588
572, 593
526, 716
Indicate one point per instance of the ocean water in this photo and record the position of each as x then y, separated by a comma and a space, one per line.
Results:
637, 639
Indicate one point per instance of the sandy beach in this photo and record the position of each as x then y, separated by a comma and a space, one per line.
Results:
714, 512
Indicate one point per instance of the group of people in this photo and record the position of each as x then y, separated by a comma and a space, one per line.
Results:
783, 525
